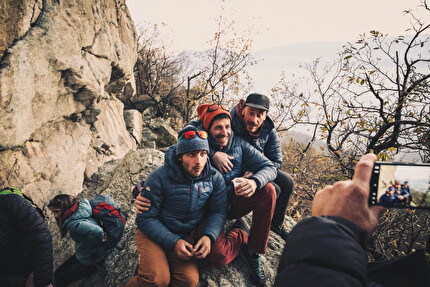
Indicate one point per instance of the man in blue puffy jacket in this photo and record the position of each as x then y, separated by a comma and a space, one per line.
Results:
250, 121
182, 191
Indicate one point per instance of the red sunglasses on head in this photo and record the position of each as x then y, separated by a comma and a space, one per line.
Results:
214, 107
192, 134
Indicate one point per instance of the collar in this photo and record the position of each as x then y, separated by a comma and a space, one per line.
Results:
71, 210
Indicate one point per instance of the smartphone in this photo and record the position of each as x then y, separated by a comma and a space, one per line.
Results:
400, 185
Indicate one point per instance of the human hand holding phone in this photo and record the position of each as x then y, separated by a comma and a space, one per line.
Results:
349, 199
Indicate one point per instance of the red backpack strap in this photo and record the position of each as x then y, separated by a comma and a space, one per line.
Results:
71, 210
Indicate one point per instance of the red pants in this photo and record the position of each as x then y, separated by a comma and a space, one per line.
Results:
228, 245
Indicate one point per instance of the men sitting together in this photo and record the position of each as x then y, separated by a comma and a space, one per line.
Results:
223, 166
396, 195
183, 205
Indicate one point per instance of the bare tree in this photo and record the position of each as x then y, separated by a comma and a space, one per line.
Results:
374, 98
157, 71
217, 79
181, 82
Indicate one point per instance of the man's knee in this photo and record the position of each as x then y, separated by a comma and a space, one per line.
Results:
159, 278
284, 180
269, 192
188, 278
218, 257
193, 278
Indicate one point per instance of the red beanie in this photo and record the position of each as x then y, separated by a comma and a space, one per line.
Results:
207, 112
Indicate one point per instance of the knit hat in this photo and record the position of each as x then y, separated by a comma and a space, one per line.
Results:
185, 145
207, 112
258, 101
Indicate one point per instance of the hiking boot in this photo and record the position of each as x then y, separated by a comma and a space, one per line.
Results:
281, 232
240, 223
255, 267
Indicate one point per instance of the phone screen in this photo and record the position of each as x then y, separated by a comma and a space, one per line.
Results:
400, 185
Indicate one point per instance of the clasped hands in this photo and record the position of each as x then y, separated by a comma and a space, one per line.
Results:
185, 250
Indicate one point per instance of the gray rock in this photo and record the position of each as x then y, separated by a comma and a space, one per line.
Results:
148, 138
166, 136
134, 124
64, 77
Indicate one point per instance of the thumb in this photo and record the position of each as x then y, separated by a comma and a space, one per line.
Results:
230, 157
375, 213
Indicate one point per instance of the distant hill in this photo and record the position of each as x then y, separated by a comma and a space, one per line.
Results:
271, 62
301, 138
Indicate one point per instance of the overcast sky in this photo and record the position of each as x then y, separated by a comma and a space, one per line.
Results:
190, 23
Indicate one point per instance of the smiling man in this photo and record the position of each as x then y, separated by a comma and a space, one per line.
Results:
181, 191
250, 121
254, 193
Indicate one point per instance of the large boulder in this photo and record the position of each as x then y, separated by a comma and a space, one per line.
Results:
66, 70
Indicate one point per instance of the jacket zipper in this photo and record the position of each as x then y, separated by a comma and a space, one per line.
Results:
198, 196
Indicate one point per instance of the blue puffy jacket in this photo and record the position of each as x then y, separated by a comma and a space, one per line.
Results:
178, 202
25, 243
267, 141
86, 233
246, 158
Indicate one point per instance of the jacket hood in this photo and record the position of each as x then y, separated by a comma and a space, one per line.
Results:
175, 169
80, 210
239, 127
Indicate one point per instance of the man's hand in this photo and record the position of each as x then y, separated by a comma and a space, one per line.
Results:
222, 162
349, 199
142, 204
182, 249
246, 188
30, 280
202, 247
248, 174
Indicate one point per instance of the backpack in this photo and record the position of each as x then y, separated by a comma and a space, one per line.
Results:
108, 214
11, 190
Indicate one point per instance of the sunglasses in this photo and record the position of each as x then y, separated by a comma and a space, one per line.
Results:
192, 134
214, 107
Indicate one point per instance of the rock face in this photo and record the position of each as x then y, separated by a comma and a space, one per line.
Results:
63, 81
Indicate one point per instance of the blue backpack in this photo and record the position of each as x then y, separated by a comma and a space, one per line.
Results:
108, 214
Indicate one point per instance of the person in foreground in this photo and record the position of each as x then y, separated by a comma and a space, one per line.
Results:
25, 243
183, 192
329, 248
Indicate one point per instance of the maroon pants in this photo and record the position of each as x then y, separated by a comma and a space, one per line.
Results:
228, 245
